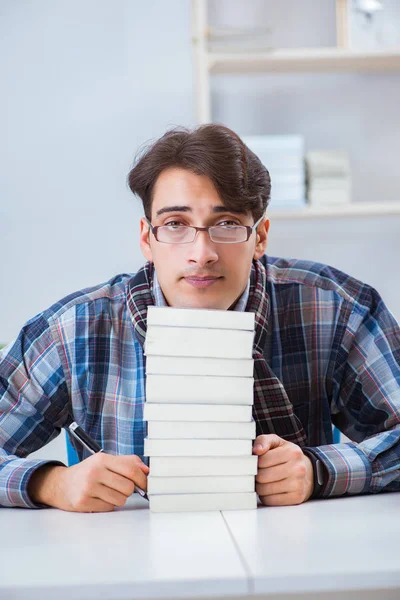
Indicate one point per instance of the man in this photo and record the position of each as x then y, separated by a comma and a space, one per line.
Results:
326, 348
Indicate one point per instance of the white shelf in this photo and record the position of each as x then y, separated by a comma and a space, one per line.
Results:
304, 59
351, 210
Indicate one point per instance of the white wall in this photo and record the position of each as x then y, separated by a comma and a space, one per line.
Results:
84, 83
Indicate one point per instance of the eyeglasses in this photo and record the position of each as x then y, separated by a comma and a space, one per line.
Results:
220, 234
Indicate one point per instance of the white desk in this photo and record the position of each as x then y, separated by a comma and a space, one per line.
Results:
350, 546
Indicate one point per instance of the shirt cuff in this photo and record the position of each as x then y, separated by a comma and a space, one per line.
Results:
349, 470
14, 479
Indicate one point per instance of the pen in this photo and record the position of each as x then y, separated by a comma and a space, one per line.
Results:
93, 447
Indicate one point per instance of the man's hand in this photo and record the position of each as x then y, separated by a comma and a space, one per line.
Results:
284, 475
97, 484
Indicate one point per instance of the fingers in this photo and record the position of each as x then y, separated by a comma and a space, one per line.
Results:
289, 499
274, 457
124, 472
277, 487
108, 495
117, 482
264, 443
284, 474
103, 481
95, 505
282, 454
124, 484
272, 474
129, 466
87, 504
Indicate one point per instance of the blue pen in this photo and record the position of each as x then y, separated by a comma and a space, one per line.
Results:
93, 447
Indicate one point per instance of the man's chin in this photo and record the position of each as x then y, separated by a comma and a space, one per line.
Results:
202, 300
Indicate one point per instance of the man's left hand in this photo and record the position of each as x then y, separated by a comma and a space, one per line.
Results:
284, 474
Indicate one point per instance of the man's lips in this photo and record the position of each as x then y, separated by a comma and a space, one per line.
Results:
201, 282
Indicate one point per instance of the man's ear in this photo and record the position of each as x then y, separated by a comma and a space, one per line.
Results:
262, 238
145, 240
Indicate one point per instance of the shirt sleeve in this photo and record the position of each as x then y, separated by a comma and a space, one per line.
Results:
366, 404
33, 407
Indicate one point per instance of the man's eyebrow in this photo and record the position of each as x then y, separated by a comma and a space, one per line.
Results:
224, 209
215, 209
166, 209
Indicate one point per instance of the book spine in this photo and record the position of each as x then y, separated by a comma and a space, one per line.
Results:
197, 447
197, 412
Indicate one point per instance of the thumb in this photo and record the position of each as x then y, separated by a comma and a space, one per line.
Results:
143, 467
263, 443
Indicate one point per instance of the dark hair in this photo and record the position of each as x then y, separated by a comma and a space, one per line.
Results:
241, 180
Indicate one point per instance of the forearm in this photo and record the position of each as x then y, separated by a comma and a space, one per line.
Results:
15, 477
44, 485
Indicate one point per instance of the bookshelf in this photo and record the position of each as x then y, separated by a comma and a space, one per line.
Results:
304, 59
340, 58
359, 209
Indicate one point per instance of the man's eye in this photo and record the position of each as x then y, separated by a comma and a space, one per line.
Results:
173, 224
228, 224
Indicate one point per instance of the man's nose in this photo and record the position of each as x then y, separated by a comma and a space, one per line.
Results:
202, 250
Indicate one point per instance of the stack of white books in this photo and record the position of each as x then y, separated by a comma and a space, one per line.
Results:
283, 156
199, 398
328, 177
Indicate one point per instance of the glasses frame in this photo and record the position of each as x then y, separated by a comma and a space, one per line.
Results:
249, 231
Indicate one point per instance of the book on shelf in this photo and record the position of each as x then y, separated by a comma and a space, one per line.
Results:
197, 412
328, 197
189, 365
165, 430
191, 448
199, 466
330, 183
203, 318
283, 156
200, 485
200, 342
201, 502
199, 389
327, 163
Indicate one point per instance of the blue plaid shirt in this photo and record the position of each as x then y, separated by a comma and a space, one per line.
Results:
331, 341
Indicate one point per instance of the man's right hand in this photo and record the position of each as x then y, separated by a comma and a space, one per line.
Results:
97, 484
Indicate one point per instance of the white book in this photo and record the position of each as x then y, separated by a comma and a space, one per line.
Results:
165, 430
197, 412
328, 197
331, 163
189, 365
189, 466
197, 447
200, 485
196, 317
199, 389
191, 341
200, 502
330, 183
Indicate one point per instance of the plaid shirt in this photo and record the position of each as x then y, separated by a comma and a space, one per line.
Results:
331, 341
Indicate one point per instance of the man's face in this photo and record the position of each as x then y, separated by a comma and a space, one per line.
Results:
200, 274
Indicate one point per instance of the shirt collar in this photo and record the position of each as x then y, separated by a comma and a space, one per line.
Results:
160, 300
